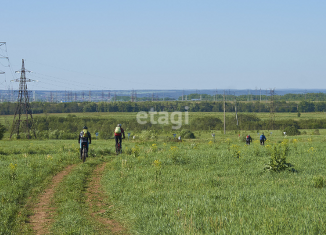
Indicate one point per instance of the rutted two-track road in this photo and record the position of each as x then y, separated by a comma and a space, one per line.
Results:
44, 214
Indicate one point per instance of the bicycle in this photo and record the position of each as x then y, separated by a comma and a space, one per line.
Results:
84, 151
118, 148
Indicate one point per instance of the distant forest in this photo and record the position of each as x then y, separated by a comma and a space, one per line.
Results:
8, 108
287, 97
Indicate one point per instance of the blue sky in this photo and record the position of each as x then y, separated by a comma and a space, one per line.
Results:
95, 45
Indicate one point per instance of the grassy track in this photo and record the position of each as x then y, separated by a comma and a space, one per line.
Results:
72, 212
26, 168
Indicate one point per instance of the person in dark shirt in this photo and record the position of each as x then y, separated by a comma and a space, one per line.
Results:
262, 139
84, 137
118, 132
248, 139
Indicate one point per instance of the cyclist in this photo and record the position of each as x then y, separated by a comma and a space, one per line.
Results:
262, 139
84, 137
248, 139
117, 135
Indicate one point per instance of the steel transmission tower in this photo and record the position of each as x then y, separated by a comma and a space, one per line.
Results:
2, 56
23, 108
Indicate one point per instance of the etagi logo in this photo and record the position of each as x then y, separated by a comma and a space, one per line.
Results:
163, 118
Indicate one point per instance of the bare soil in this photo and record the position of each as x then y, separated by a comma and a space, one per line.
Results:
98, 205
43, 215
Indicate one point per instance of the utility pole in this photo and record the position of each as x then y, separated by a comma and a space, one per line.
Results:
272, 108
109, 97
235, 107
216, 94
2, 56
23, 107
89, 96
224, 110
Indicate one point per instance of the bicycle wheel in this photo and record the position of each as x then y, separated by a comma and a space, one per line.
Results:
84, 153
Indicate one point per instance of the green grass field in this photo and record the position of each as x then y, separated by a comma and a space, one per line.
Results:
221, 188
159, 186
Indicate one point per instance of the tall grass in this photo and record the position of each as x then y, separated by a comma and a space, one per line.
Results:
205, 188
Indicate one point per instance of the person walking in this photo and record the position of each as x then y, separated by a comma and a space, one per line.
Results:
248, 139
262, 139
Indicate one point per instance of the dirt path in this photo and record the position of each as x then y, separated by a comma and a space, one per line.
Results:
97, 203
43, 212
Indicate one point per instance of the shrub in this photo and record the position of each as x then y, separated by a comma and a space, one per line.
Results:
206, 123
316, 132
187, 134
147, 135
2, 131
292, 130
278, 158
318, 181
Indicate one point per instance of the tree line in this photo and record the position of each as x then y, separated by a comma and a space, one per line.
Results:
53, 127
8, 108
250, 97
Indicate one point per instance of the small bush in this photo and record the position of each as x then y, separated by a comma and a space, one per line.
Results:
318, 181
278, 158
316, 132
2, 131
292, 130
187, 134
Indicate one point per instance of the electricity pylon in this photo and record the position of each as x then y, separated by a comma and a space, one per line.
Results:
23, 109
2, 56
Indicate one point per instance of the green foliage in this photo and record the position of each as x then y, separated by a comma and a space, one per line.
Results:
316, 132
2, 131
147, 135
187, 134
278, 158
318, 181
206, 123
292, 130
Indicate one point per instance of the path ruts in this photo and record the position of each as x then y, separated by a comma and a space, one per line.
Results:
97, 204
42, 217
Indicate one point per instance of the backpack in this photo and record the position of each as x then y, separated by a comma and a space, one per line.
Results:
85, 133
117, 130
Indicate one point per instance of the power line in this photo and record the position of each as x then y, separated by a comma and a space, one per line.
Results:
23, 107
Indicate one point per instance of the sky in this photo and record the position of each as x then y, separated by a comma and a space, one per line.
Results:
170, 44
